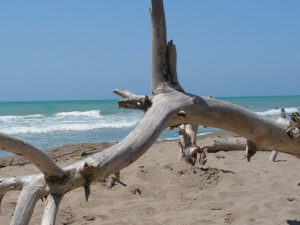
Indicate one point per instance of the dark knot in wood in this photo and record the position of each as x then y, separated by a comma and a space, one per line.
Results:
88, 168
181, 114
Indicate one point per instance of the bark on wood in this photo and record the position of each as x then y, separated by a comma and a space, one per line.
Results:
169, 108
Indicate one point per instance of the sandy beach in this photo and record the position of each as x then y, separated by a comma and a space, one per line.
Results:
160, 190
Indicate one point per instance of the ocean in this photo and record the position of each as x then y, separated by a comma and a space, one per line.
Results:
48, 124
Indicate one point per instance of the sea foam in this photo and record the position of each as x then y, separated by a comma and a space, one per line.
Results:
66, 121
282, 121
66, 127
91, 113
274, 112
12, 118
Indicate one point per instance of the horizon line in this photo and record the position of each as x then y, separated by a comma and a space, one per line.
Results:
116, 99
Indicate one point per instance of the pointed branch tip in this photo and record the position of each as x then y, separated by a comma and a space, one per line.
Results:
87, 192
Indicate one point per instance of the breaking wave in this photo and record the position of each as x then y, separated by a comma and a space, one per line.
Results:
91, 113
282, 121
65, 127
14, 118
274, 112
66, 121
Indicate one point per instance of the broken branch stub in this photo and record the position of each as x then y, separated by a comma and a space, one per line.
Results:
273, 156
293, 129
133, 101
188, 148
250, 150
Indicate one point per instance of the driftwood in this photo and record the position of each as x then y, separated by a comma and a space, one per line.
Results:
77, 152
188, 147
226, 142
274, 153
169, 106
273, 156
293, 129
251, 149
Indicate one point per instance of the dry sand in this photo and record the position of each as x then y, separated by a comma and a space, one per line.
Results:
160, 190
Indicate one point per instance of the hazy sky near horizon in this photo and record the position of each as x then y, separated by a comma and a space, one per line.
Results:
73, 50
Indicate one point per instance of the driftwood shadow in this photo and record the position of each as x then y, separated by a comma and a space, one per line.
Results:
281, 160
224, 171
293, 222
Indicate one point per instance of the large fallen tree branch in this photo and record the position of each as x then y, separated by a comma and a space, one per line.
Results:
169, 106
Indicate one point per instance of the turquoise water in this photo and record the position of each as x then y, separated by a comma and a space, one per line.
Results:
264, 103
47, 124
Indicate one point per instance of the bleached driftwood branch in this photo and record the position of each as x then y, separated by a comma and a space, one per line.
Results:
133, 101
28, 151
170, 107
172, 59
51, 208
273, 156
189, 150
160, 75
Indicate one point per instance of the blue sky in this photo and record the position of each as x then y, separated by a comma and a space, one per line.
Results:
60, 50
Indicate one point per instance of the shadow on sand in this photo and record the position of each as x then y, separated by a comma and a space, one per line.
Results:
293, 222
